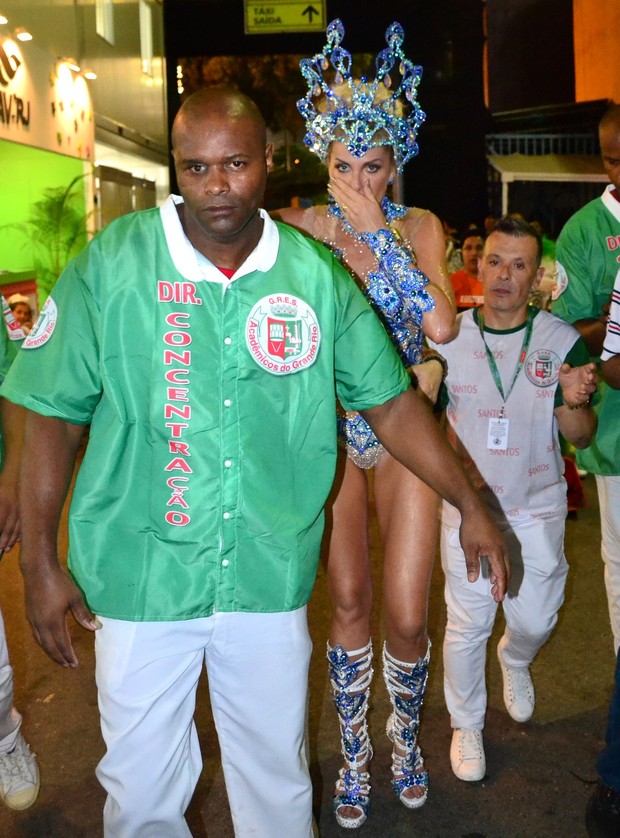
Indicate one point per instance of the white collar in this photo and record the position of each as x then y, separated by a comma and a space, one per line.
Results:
182, 252
610, 202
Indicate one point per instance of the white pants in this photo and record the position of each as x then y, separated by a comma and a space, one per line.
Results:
257, 667
10, 720
534, 597
609, 505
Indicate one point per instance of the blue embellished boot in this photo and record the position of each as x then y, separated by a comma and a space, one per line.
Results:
406, 684
350, 682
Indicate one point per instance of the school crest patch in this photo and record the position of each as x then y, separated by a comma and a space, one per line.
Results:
560, 281
543, 367
43, 327
282, 334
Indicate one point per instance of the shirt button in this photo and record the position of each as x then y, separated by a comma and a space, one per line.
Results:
225, 563
227, 402
228, 463
226, 516
227, 341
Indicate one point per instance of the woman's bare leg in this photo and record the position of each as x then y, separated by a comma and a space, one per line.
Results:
408, 515
348, 564
349, 648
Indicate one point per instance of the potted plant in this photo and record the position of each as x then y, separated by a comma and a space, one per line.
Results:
54, 233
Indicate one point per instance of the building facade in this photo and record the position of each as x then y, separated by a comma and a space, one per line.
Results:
82, 122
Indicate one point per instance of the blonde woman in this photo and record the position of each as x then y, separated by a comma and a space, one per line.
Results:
365, 133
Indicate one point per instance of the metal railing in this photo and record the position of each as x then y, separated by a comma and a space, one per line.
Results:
536, 144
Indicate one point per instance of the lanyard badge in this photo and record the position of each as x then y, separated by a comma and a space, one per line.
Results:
497, 433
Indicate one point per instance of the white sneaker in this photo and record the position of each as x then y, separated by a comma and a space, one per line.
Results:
518, 691
467, 755
19, 776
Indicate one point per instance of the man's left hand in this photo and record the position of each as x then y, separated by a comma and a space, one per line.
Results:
480, 538
577, 383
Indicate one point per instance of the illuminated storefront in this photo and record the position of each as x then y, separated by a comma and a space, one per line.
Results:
46, 141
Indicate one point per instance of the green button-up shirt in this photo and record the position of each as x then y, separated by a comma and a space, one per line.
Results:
587, 251
212, 405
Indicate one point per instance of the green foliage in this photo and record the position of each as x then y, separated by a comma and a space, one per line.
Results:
54, 233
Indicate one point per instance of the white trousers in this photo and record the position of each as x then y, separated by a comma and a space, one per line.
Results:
10, 720
534, 597
257, 668
609, 504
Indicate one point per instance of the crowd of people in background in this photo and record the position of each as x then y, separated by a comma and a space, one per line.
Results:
463, 249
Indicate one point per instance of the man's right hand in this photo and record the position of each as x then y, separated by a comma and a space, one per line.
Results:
407, 428
48, 458
50, 595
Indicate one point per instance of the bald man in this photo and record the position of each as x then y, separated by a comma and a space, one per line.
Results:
588, 254
205, 345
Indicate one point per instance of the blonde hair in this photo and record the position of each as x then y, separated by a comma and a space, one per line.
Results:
344, 91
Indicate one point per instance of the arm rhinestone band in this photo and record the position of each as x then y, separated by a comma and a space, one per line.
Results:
399, 283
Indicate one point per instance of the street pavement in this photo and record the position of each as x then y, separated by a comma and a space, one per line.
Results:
539, 774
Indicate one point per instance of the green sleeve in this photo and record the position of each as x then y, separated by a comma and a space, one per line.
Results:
368, 369
576, 302
576, 356
581, 265
61, 377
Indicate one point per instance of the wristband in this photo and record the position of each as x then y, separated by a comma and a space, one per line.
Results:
435, 356
577, 406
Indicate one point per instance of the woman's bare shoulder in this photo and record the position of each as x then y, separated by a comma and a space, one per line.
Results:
295, 216
418, 220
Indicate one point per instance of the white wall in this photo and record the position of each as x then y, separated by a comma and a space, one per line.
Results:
129, 105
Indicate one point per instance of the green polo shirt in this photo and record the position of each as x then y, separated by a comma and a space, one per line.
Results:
588, 254
212, 406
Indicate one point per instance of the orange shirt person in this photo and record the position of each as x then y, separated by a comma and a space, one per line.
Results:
467, 287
